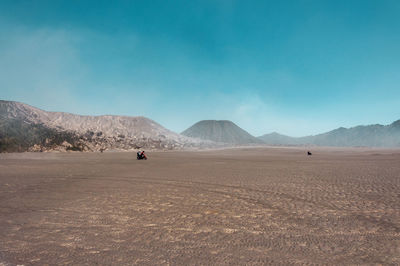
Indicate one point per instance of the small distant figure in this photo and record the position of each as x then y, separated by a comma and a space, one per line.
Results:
141, 155
309, 153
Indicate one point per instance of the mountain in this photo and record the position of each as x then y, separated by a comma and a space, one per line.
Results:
275, 138
371, 135
23, 127
26, 128
222, 131
368, 136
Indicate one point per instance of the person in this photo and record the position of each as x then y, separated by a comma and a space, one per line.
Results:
141, 155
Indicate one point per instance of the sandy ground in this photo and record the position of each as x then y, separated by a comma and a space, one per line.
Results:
239, 206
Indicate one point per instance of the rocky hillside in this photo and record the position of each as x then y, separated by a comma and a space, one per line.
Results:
23, 127
368, 136
221, 131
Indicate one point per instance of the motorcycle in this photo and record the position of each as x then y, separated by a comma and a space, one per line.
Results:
141, 156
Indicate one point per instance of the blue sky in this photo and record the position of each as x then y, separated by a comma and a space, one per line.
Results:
296, 67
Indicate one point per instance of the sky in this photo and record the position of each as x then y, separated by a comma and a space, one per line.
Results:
295, 67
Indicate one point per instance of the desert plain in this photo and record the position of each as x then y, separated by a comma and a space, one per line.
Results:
247, 206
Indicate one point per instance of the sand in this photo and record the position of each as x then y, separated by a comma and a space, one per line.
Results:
252, 206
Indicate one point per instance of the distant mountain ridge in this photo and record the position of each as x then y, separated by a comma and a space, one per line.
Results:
26, 128
275, 138
222, 131
23, 127
369, 136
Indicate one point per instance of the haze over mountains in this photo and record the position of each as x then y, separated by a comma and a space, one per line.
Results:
367, 136
26, 128
370, 136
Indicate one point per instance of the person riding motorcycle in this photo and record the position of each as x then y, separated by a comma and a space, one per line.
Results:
141, 155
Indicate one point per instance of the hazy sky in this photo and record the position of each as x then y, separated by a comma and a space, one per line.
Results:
295, 67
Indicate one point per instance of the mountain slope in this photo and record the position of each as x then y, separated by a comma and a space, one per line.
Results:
369, 136
275, 138
372, 135
18, 136
222, 131
24, 126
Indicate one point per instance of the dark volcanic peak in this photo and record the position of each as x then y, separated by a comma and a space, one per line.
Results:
220, 131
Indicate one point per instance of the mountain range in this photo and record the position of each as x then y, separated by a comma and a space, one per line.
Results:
26, 128
368, 136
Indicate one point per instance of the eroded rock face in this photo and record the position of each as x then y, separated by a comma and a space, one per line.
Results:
36, 148
26, 128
